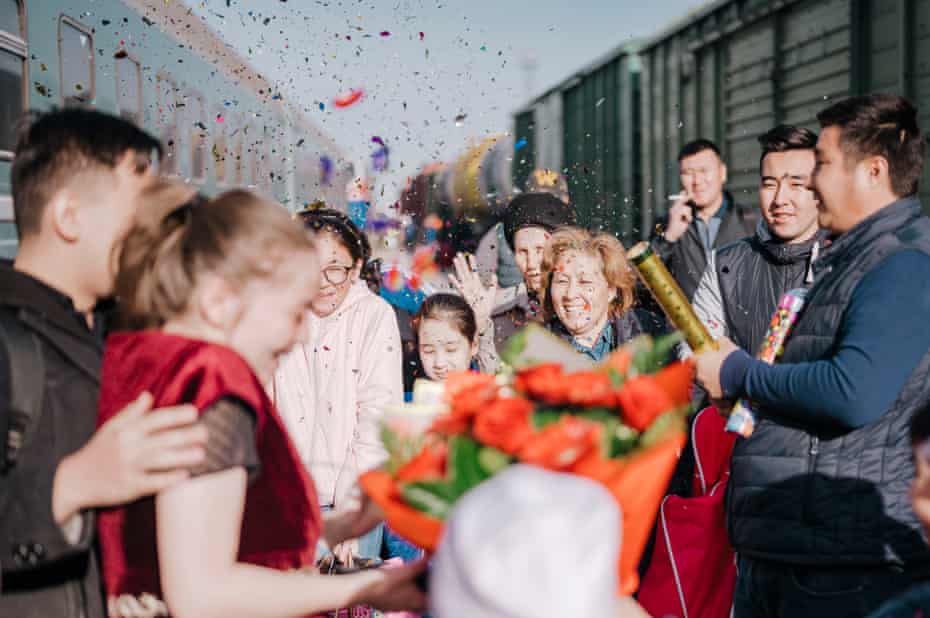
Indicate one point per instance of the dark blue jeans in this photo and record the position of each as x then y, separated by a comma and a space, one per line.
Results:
773, 590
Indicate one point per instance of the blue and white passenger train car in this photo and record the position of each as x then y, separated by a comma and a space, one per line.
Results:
154, 62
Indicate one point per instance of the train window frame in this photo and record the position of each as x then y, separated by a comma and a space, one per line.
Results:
168, 128
220, 139
196, 111
243, 173
65, 20
16, 44
137, 115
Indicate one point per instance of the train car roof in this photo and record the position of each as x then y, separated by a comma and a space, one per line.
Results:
178, 21
627, 48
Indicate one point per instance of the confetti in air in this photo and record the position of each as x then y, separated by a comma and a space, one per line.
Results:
520, 144
394, 280
348, 99
460, 120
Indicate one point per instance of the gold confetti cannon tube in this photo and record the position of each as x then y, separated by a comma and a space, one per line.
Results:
665, 290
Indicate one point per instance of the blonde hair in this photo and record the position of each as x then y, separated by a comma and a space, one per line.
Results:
617, 271
179, 236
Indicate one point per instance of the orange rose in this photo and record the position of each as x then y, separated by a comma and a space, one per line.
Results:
561, 444
590, 389
469, 391
450, 425
543, 382
429, 464
619, 360
676, 380
642, 400
504, 424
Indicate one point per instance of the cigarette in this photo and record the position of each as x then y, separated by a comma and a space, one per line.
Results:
675, 198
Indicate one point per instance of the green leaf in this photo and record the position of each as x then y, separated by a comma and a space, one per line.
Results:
463, 464
623, 440
513, 348
400, 449
431, 497
660, 428
493, 460
650, 356
544, 417
616, 378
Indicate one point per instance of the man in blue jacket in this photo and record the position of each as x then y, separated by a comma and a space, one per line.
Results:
819, 512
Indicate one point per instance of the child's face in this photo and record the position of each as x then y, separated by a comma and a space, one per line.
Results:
274, 311
443, 349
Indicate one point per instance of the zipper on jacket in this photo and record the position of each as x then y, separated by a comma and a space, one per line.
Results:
813, 451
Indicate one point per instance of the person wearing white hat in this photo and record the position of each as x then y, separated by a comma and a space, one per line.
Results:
530, 543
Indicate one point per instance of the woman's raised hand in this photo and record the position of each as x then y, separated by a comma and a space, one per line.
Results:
468, 283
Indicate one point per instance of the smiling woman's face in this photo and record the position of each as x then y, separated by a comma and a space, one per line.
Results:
580, 293
338, 274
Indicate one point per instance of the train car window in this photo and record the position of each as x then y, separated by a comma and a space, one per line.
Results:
243, 148
255, 158
168, 123
219, 124
129, 87
12, 73
11, 17
76, 59
196, 117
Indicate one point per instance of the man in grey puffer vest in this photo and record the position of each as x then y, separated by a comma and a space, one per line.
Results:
818, 497
745, 280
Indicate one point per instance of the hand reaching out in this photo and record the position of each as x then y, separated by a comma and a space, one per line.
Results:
468, 283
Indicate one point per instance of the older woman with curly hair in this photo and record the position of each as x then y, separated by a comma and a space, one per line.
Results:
589, 293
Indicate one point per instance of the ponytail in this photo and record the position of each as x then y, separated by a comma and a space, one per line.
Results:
179, 236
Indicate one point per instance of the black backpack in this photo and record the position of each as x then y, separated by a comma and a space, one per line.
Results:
22, 405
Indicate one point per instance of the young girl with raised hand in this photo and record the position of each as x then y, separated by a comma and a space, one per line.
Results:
213, 292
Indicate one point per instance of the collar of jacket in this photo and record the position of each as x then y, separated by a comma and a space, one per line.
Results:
781, 252
45, 310
889, 218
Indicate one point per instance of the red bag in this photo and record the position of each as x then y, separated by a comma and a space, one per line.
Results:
693, 569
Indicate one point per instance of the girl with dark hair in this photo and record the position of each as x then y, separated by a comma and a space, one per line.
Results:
214, 294
332, 389
446, 334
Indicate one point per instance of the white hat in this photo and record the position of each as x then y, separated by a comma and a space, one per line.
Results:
528, 543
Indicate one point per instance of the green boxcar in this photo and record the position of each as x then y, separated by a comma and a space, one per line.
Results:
524, 159
729, 72
739, 67
222, 123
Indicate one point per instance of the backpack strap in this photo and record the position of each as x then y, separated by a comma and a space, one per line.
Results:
26, 367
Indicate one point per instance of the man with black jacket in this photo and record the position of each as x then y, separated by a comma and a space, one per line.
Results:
745, 279
704, 216
818, 507
76, 178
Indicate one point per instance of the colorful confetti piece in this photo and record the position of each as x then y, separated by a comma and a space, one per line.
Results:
349, 99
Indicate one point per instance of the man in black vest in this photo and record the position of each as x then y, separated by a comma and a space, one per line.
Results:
704, 216
76, 178
745, 280
818, 498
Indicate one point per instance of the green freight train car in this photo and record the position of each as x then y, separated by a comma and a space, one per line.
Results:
728, 72
155, 63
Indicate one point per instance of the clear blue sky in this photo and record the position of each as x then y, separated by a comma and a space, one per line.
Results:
469, 61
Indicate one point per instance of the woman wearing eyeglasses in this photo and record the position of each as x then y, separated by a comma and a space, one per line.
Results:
331, 390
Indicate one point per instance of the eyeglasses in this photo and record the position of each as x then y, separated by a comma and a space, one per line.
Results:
336, 275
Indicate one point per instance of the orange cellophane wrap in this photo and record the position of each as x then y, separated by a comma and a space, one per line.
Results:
638, 483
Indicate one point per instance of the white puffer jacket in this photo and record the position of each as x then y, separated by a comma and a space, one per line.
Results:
332, 391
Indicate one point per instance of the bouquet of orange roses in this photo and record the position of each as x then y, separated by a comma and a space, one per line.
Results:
620, 423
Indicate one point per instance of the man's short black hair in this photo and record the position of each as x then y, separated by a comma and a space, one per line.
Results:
883, 125
699, 145
56, 145
786, 137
